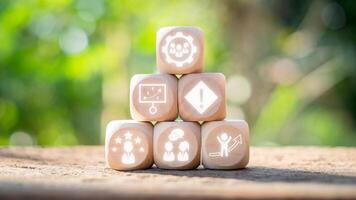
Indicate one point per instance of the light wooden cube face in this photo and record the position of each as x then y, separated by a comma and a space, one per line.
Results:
128, 145
225, 144
180, 50
177, 145
201, 97
153, 97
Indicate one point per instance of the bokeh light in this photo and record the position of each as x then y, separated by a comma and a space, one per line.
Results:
238, 89
90, 10
73, 41
333, 16
45, 26
235, 112
21, 139
283, 71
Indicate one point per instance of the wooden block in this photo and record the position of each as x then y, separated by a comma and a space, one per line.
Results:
153, 97
225, 144
201, 97
176, 145
128, 145
180, 50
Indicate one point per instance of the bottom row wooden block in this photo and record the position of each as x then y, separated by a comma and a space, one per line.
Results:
131, 145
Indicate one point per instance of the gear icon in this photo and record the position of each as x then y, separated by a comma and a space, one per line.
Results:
177, 47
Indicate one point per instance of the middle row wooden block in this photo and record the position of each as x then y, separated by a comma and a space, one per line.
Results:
160, 97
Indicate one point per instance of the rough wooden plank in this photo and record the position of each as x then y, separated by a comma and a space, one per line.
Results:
80, 172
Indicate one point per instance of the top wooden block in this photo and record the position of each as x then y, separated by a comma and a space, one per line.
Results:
180, 50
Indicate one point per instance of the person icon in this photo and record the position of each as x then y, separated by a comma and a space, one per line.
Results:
128, 157
224, 140
183, 154
168, 154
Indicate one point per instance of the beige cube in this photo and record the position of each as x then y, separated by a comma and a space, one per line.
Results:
153, 97
180, 50
225, 144
128, 145
176, 145
201, 97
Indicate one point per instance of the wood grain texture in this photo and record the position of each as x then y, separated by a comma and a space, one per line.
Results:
80, 173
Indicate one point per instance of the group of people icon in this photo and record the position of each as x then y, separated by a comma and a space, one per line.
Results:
178, 50
182, 155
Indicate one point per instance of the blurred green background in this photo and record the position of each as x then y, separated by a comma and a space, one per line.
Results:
65, 65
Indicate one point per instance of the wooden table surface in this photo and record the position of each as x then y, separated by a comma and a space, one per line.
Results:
80, 173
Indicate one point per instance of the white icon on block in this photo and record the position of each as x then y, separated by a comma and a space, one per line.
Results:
183, 151
201, 97
224, 140
176, 134
152, 94
179, 49
182, 156
128, 157
128, 144
168, 154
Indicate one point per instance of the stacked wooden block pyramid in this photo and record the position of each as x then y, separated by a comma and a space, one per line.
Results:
199, 99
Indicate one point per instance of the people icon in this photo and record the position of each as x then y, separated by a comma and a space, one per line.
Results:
128, 145
168, 154
224, 140
128, 157
179, 50
183, 154
176, 136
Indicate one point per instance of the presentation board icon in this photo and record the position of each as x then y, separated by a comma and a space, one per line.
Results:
152, 94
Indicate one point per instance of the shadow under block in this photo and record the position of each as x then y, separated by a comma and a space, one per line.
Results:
201, 97
128, 145
177, 145
153, 97
225, 144
180, 50
77, 172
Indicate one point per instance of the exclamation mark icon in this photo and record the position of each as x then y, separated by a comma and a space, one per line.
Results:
201, 98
